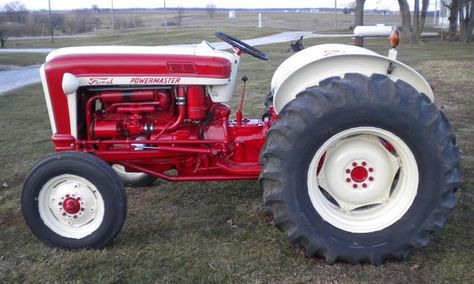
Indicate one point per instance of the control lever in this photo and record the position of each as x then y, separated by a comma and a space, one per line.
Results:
238, 114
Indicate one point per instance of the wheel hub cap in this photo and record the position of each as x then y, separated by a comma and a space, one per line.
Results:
71, 205
359, 174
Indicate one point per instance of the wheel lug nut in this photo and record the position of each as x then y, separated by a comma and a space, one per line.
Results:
355, 185
348, 171
64, 213
82, 209
371, 178
364, 164
371, 169
354, 164
348, 180
60, 203
364, 185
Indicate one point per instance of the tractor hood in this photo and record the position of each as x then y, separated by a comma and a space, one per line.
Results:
203, 49
139, 65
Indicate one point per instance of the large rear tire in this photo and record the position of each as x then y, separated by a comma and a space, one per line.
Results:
360, 169
74, 200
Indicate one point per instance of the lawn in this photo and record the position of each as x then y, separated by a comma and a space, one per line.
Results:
21, 59
217, 231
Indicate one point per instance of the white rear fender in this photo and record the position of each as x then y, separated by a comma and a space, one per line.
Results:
312, 65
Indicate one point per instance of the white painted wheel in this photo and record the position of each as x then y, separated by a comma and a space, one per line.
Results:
74, 200
71, 206
133, 178
366, 181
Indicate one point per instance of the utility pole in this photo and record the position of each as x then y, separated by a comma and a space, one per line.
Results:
166, 20
335, 15
51, 22
112, 14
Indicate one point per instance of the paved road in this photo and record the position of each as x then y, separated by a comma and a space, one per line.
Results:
26, 50
20, 77
48, 37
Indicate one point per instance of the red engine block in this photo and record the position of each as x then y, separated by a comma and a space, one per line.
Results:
176, 134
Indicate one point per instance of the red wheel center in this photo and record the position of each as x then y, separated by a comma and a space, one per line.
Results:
71, 206
359, 174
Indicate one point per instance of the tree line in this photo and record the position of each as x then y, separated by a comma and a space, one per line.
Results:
461, 11
17, 21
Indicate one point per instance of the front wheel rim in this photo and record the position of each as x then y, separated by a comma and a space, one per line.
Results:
363, 179
71, 206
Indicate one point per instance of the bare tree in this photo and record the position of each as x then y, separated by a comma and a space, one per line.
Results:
211, 8
16, 12
453, 6
410, 32
419, 18
406, 20
3, 34
55, 20
466, 20
4, 29
461, 11
359, 13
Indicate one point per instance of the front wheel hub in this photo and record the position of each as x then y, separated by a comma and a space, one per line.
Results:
71, 206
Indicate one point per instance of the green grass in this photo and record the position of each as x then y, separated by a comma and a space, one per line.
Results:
176, 35
216, 231
21, 59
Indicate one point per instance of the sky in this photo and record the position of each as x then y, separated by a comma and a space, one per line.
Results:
76, 4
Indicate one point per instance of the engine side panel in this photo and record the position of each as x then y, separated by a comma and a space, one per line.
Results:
128, 70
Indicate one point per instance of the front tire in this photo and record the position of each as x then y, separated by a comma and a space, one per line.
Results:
360, 169
74, 200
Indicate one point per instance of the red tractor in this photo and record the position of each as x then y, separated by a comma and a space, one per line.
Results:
356, 161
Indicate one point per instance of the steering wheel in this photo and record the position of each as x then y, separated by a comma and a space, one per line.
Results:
242, 46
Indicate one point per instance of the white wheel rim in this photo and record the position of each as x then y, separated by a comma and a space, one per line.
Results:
129, 175
361, 192
58, 203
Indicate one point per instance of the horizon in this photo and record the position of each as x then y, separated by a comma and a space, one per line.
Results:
196, 4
